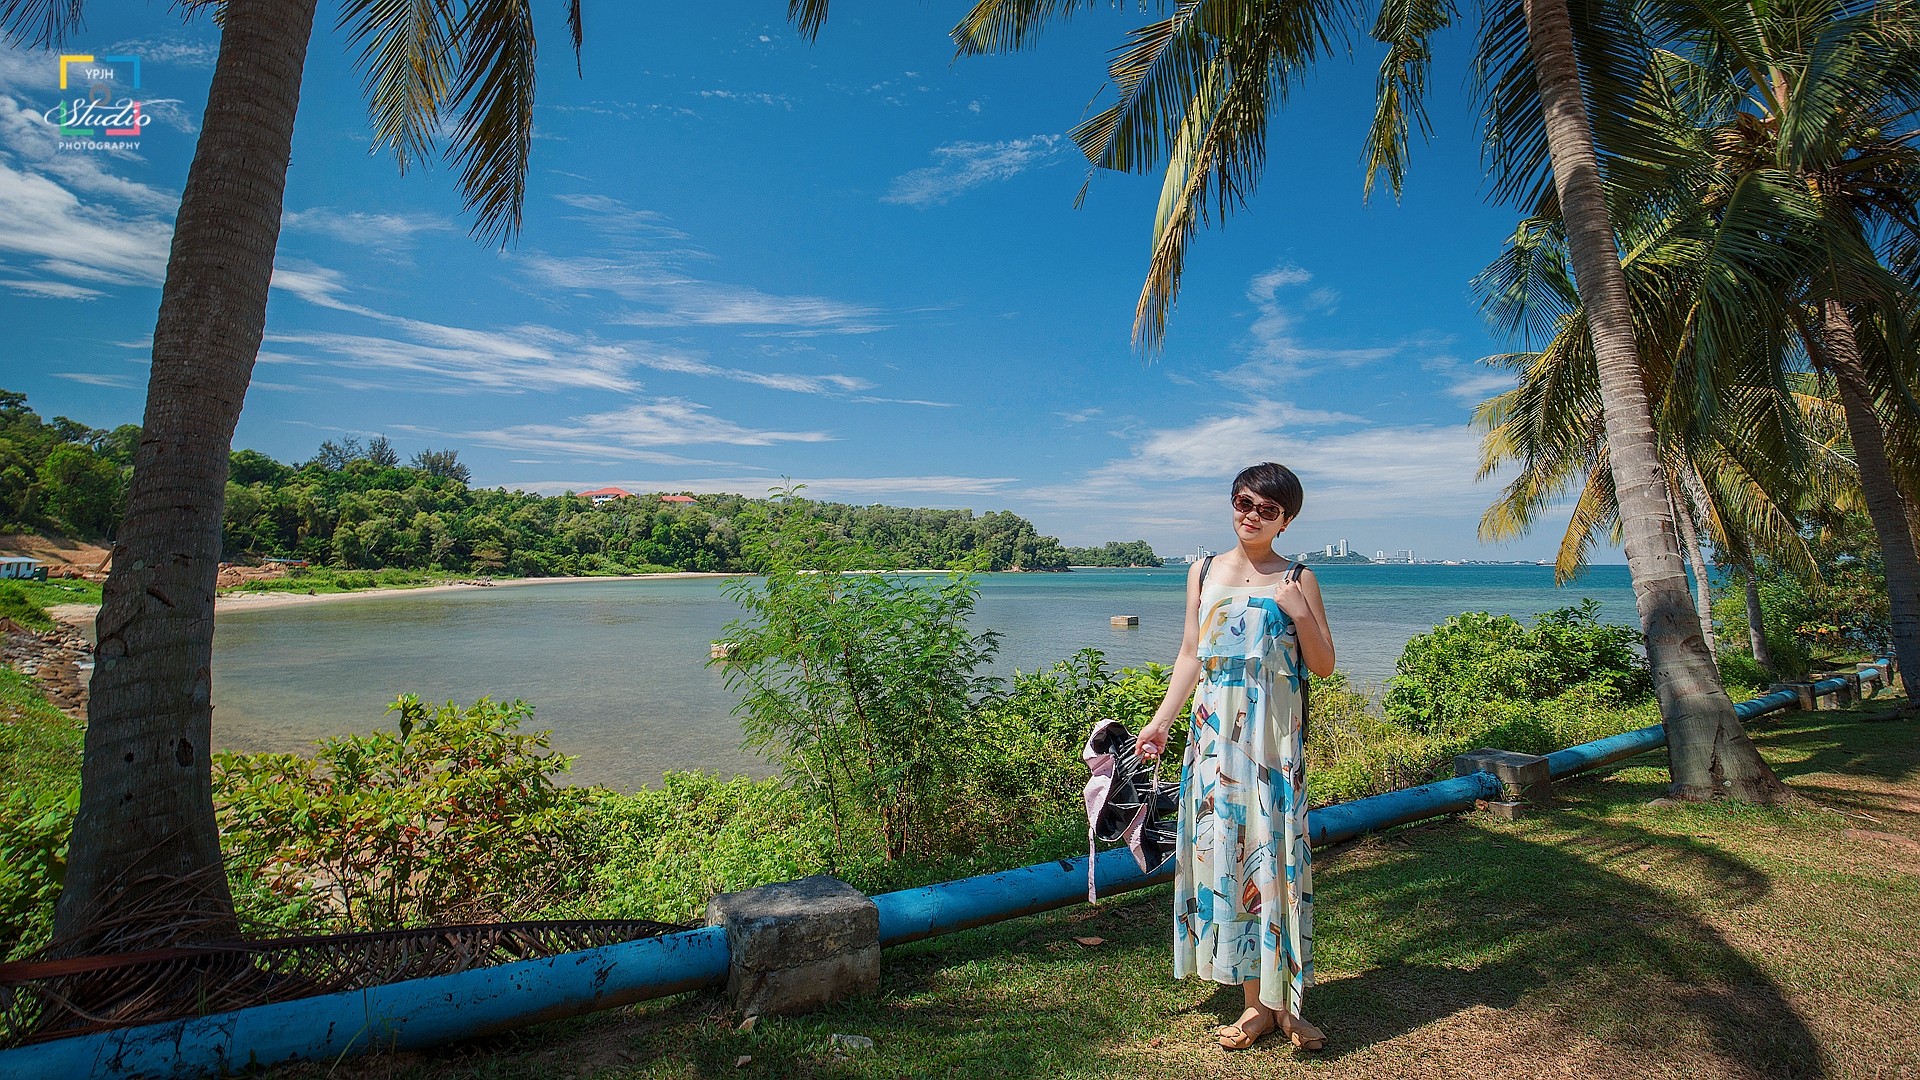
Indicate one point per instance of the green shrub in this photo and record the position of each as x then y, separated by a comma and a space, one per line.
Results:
453, 817
34, 826
1021, 748
661, 852
859, 685
1451, 680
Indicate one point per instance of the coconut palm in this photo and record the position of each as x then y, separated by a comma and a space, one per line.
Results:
1815, 102
1198, 88
145, 863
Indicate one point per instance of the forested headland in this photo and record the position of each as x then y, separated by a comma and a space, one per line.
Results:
357, 506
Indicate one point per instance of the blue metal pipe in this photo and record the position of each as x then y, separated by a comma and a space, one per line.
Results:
951, 906
1599, 752
1766, 703
1344, 821
398, 1016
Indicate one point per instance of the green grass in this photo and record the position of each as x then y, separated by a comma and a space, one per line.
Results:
39, 744
321, 579
1610, 937
48, 594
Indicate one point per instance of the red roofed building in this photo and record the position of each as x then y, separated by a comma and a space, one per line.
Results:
606, 494
676, 498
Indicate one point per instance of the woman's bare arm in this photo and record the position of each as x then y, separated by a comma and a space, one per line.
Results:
1301, 600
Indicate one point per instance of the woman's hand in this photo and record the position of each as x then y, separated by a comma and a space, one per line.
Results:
1152, 741
1292, 597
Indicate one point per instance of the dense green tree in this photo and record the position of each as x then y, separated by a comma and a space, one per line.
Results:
81, 491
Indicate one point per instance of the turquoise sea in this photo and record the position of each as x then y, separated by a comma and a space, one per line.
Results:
618, 668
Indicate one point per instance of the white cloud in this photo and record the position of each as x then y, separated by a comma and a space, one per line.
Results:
1469, 384
802, 384
963, 166
634, 433
1276, 351
319, 285
511, 359
777, 100
673, 298
52, 230
461, 360
904, 490
172, 49
611, 216
385, 233
51, 290
89, 378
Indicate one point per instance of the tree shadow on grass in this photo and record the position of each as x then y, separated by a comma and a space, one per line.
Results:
1570, 930
1871, 743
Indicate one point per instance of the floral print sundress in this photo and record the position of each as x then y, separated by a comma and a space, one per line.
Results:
1243, 877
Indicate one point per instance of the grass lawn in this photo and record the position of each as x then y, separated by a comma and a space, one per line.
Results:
1613, 937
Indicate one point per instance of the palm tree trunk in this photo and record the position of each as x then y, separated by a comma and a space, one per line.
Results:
1697, 559
145, 863
1757, 624
1709, 754
1884, 505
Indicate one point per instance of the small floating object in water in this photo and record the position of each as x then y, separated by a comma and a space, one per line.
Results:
1125, 620
722, 650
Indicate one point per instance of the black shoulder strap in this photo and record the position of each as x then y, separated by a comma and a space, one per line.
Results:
1206, 564
1293, 574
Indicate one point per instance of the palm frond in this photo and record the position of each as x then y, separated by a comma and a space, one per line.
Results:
495, 133
1407, 27
407, 57
996, 26
39, 23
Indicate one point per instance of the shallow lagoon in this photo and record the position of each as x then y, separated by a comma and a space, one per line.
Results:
618, 668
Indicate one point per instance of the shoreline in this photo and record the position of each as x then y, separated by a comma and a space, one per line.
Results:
82, 615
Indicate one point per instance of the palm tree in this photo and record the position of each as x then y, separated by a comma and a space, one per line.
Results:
1733, 430
1198, 88
145, 863
1816, 102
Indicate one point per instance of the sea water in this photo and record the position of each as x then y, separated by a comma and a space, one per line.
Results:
618, 669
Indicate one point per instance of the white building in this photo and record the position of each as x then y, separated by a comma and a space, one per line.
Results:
17, 566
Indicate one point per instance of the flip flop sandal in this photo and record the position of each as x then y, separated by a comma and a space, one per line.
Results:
1235, 1037
1303, 1041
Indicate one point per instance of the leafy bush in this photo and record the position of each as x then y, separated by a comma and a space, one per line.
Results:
34, 826
1021, 750
1447, 680
661, 852
859, 685
453, 817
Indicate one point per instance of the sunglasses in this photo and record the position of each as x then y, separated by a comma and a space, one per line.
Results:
1247, 504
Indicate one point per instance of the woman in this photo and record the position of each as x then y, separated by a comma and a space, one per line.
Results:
1243, 883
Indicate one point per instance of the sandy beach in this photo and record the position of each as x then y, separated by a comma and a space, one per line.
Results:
82, 615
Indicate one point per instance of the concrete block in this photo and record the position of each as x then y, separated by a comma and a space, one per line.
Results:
1524, 776
1504, 809
797, 945
1803, 691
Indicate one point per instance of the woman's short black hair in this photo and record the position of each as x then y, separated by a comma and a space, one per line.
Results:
1274, 482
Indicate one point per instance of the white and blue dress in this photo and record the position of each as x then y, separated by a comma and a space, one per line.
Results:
1243, 880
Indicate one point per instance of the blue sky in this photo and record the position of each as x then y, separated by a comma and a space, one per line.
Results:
854, 263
